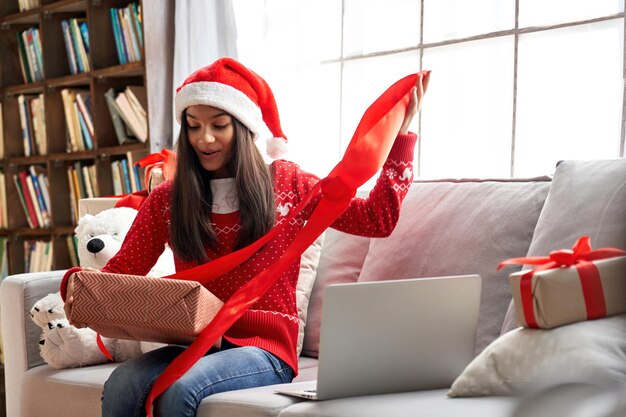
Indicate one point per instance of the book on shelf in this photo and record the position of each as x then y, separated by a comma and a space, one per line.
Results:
37, 255
4, 221
128, 184
87, 179
1, 133
42, 197
71, 121
72, 249
78, 192
69, 47
23, 189
39, 172
116, 176
135, 10
23, 58
32, 188
93, 180
28, 4
135, 172
80, 180
21, 197
81, 34
79, 136
132, 40
126, 25
122, 132
76, 40
83, 99
38, 122
138, 99
134, 121
4, 258
26, 124
33, 197
29, 47
84, 130
28, 248
82, 183
36, 46
117, 35
73, 194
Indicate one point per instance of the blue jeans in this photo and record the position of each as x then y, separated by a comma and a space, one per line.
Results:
222, 370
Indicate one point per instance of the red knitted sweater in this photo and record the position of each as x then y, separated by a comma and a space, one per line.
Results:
272, 323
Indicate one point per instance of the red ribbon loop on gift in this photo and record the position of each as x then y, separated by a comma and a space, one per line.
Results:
580, 256
166, 160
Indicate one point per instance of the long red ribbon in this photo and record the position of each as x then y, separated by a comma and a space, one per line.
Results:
580, 256
364, 156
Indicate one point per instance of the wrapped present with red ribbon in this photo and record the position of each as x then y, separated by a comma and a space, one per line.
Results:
142, 308
569, 286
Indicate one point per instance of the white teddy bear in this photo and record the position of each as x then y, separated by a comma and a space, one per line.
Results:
62, 345
100, 237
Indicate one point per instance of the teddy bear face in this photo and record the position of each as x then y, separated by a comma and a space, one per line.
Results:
100, 237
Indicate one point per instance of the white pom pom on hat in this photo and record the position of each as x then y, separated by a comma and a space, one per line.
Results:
229, 85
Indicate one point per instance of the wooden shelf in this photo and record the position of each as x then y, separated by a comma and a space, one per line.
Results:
32, 16
126, 70
30, 88
23, 18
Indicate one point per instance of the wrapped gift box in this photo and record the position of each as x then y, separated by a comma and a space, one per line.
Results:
561, 296
142, 308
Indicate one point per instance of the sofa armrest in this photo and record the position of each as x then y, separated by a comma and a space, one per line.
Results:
20, 334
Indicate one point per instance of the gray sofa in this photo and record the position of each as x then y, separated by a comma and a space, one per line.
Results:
447, 227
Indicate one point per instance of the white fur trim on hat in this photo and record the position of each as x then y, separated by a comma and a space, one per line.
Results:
223, 97
277, 148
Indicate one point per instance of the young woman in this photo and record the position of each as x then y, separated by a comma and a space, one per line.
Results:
222, 198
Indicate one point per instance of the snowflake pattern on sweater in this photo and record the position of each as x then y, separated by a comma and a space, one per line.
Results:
272, 323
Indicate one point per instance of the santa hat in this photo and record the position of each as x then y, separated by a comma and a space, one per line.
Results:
230, 86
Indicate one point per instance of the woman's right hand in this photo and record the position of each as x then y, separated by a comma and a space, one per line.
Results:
69, 300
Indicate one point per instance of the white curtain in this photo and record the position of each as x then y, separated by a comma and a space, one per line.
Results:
204, 31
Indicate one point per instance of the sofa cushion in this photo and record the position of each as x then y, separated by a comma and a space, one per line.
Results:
586, 198
525, 360
79, 388
432, 403
252, 402
308, 273
341, 261
81, 391
462, 227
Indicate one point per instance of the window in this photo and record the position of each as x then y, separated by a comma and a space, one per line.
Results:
517, 85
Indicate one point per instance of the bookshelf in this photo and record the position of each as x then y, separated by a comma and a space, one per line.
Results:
101, 72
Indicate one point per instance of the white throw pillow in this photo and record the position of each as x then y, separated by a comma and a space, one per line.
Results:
528, 359
308, 271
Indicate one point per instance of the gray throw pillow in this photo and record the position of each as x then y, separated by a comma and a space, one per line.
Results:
587, 198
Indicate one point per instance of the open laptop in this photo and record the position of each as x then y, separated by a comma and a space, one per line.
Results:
393, 336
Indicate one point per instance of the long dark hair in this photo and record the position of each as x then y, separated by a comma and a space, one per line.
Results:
191, 231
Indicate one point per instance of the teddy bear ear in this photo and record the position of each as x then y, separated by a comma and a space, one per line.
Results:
84, 219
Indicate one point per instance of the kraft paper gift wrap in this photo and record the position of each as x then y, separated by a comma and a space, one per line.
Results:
142, 308
558, 295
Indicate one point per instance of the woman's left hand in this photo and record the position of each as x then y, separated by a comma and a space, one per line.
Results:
415, 104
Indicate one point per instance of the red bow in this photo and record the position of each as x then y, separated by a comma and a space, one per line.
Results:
580, 256
166, 160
